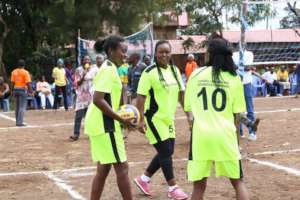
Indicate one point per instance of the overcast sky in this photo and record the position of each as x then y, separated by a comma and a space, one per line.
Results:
274, 22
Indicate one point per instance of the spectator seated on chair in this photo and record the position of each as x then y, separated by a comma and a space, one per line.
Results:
43, 89
4, 95
32, 99
259, 86
283, 80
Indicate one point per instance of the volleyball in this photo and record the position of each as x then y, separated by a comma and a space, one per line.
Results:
129, 111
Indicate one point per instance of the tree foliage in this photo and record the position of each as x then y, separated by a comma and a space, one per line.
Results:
39, 30
207, 17
292, 20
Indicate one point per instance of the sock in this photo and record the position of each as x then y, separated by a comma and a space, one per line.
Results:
171, 188
145, 178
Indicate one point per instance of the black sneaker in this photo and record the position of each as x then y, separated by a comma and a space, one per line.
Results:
74, 138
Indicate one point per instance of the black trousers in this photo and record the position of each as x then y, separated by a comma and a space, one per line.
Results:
163, 158
58, 91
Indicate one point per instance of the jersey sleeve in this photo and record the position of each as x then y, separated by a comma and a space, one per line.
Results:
103, 80
187, 101
239, 104
144, 84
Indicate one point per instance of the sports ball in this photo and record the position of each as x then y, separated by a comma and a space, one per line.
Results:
129, 111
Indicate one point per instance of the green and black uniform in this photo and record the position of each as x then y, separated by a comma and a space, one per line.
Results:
214, 135
161, 88
107, 144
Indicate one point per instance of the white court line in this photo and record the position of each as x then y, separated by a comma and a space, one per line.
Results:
276, 152
62, 185
38, 126
276, 166
279, 110
74, 169
7, 117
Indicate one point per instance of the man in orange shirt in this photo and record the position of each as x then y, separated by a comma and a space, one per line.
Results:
190, 66
21, 80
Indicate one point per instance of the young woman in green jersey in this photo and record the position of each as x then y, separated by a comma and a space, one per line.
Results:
102, 123
215, 96
158, 91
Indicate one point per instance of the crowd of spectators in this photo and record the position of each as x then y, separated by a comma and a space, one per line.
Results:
268, 81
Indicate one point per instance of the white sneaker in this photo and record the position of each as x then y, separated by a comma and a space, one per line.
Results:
252, 137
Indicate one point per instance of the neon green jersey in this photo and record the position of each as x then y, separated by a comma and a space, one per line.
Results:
161, 100
107, 81
214, 133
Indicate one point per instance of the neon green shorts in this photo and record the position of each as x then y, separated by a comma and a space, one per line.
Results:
108, 148
197, 170
158, 130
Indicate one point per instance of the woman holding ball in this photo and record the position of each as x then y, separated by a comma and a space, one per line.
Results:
102, 123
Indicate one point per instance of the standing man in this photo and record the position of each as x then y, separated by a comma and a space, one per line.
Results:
248, 94
134, 74
21, 80
70, 79
190, 66
84, 76
60, 80
4, 94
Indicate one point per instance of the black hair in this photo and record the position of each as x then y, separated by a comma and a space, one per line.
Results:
21, 63
160, 75
111, 42
220, 58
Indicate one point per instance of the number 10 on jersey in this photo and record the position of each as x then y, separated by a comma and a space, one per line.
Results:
217, 92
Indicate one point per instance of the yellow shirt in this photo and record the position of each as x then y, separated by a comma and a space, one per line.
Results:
282, 76
59, 75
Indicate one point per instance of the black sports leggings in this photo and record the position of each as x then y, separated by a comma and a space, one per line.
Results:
163, 159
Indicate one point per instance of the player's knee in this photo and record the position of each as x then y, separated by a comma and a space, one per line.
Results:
103, 171
236, 183
122, 171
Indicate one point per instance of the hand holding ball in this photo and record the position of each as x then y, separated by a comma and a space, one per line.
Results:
130, 112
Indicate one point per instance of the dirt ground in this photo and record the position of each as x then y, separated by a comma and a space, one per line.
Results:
55, 168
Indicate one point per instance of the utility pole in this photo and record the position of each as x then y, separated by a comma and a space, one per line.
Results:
243, 34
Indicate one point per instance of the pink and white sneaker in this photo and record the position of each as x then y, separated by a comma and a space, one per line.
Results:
142, 185
177, 194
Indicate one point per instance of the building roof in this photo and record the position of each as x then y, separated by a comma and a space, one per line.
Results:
258, 36
255, 36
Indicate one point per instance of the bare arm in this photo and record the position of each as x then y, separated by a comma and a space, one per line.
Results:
140, 104
188, 114
237, 125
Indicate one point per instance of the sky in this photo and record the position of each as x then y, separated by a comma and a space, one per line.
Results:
274, 22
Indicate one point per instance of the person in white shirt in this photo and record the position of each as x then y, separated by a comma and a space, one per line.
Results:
271, 81
44, 91
84, 76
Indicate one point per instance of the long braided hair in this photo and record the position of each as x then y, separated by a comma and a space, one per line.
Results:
220, 58
173, 69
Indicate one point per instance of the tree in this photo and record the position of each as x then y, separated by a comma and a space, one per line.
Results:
207, 18
39, 30
292, 20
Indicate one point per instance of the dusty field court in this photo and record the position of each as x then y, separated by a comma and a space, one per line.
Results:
39, 162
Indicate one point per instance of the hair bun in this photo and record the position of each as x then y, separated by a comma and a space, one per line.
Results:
99, 45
